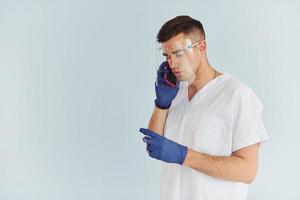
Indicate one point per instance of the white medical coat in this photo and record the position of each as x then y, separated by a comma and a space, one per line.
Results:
222, 117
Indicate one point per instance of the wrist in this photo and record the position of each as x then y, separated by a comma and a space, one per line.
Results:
161, 111
187, 157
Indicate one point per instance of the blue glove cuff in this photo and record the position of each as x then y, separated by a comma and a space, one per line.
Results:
164, 107
183, 151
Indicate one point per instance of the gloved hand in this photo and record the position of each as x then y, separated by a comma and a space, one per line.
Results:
164, 92
161, 148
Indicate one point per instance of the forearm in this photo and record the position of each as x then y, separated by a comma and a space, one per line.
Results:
231, 168
157, 121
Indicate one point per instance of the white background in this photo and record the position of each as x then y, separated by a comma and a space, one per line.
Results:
77, 82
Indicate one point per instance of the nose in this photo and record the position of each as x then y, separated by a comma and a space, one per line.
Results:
172, 62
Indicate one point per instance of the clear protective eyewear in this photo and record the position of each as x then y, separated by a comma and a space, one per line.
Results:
180, 57
177, 53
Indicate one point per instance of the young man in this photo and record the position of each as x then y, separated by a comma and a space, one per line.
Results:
207, 127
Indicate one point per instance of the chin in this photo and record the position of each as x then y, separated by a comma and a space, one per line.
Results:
180, 78
183, 78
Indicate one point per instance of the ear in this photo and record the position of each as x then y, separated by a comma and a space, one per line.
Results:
202, 47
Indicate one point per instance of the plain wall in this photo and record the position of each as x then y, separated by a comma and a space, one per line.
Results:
77, 82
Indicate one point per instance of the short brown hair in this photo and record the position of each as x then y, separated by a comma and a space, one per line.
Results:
180, 24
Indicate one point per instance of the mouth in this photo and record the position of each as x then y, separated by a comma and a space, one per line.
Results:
176, 73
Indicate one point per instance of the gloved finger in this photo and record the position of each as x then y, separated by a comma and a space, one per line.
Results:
161, 72
156, 142
163, 65
160, 84
152, 154
163, 69
148, 148
169, 83
160, 80
148, 132
146, 139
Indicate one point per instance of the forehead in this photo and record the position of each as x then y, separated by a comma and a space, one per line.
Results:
175, 43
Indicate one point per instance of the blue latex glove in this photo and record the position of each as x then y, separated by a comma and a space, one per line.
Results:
164, 92
161, 148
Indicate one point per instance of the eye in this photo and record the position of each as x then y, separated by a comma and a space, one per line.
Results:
179, 52
167, 57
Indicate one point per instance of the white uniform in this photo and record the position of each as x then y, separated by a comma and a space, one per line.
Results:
222, 117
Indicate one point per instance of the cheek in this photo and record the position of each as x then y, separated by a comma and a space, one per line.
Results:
193, 66
197, 63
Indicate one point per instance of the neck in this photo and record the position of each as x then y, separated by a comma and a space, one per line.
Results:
204, 74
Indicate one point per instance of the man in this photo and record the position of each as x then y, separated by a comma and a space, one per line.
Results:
207, 128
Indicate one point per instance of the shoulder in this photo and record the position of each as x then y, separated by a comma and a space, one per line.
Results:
240, 92
234, 87
233, 84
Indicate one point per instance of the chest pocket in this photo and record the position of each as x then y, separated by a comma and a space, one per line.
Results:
213, 135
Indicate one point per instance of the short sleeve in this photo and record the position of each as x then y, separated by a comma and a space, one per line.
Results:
248, 127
